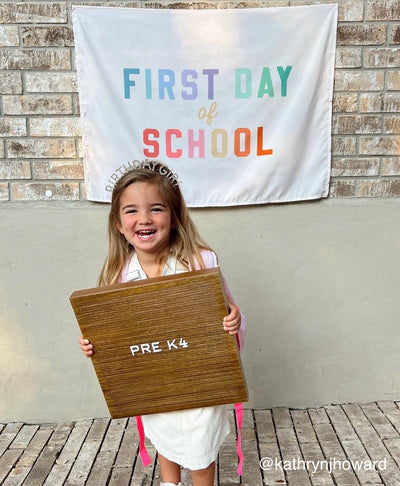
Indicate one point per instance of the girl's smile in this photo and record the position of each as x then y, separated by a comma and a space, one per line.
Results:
145, 219
145, 234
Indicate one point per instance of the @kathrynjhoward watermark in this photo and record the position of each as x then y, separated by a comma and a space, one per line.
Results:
331, 464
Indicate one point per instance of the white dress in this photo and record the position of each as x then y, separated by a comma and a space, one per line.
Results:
191, 438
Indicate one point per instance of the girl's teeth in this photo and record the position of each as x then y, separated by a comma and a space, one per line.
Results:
145, 234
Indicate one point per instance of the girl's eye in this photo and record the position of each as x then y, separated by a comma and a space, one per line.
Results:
157, 209
131, 211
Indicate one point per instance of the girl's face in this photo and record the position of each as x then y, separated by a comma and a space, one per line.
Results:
145, 219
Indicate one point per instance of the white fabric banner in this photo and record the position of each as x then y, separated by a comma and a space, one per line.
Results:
237, 102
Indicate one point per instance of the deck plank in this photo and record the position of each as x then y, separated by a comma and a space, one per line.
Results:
341, 422
290, 450
269, 449
24, 436
48, 456
251, 468
66, 459
392, 413
314, 460
87, 454
127, 456
8, 434
7, 462
104, 462
333, 450
29, 456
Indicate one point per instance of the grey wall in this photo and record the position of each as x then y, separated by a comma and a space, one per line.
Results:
318, 282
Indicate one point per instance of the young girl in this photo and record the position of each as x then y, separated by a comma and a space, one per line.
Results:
152, 234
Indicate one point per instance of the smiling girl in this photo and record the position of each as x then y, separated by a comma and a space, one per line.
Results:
151, 234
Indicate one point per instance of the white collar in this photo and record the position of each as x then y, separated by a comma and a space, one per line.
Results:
136, 272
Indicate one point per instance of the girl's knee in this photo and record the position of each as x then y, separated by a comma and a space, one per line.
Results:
204, 477
202, 472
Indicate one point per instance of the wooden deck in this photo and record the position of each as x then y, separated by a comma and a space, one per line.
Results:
338, 445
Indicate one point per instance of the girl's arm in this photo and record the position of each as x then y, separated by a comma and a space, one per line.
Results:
235, 321
86, 347
232, 321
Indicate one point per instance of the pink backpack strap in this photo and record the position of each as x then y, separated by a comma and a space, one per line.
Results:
239, 421
142, 448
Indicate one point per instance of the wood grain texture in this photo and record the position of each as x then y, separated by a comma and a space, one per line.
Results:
180, 357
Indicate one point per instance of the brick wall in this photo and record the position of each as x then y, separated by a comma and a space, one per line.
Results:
40, 137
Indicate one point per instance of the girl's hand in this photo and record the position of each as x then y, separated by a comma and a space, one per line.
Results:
86, 347
233, 320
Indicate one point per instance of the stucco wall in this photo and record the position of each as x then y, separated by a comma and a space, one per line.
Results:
318, 283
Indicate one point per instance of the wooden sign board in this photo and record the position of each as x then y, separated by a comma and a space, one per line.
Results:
160, 345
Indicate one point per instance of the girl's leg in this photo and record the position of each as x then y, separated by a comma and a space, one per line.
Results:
204, 477
170, 471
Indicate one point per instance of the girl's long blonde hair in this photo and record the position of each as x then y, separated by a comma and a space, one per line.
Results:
185, 241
